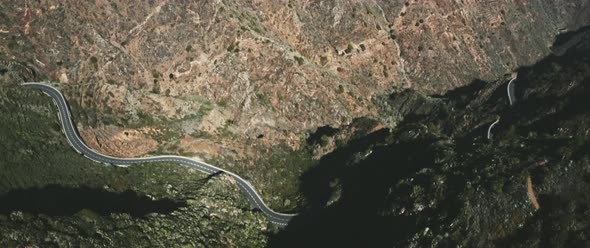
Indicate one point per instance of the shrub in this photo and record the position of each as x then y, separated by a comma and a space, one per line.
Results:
299, 60
392, 34
156, 88
234, 47
340, 89
323, 60
348, 49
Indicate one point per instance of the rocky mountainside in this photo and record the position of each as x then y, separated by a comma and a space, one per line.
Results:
230, 71
435, 179
370, 118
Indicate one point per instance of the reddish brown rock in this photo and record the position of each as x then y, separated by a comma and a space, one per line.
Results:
275, 68
118, 142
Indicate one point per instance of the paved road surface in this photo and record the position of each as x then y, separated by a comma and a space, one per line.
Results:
76, 142
510, 90
490, 128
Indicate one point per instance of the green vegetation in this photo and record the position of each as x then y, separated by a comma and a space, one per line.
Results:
281, 195
234, 47
156, 87
340, 89
323, 60
12, 45
300, 60
263, 99
94, 62
204, 109
155, 74
324, 140
392, 34
348, 49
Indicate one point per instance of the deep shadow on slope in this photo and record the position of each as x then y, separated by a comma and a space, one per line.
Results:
547, 107
360, 217
55, 200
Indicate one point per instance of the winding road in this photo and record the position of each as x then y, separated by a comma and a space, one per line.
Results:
76, 142
511, 99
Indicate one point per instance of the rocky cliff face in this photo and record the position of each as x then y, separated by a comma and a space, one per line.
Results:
243, 69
